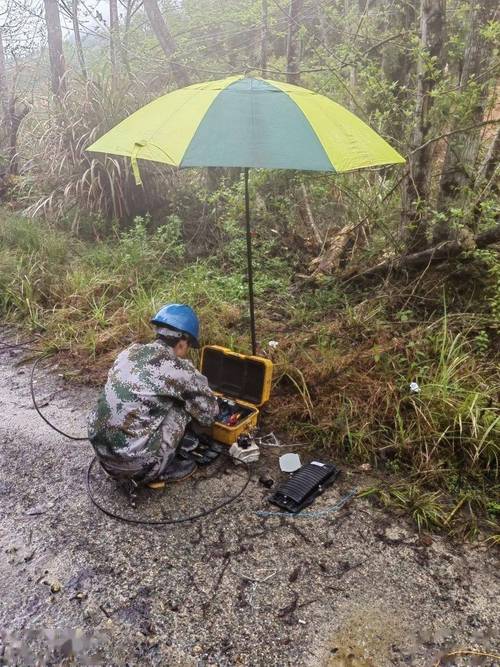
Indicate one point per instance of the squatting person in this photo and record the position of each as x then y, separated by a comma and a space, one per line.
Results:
152, 393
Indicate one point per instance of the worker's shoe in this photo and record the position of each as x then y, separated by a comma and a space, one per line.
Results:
176, 471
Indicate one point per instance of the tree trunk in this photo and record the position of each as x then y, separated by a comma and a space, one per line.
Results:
292, 46
16, 114
459, 165
5, 124
124, 43
309, 216
415, 191
323, 26
56, 55
487, 184
4, 86
264, 40
114, 40
78, 39
165, 39
12, 114
491, 159
397, 63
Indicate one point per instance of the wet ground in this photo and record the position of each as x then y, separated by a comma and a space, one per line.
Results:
356, 587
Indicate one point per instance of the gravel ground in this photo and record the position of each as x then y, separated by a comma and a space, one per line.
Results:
356, 588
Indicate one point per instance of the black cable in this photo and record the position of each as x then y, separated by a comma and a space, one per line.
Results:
163, 522
58, 430
10, 346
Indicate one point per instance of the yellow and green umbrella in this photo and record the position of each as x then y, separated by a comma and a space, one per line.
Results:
247, 122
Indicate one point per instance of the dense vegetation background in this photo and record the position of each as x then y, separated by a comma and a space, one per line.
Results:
367, 281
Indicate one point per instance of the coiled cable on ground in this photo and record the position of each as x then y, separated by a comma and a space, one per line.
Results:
114, 515
163, 522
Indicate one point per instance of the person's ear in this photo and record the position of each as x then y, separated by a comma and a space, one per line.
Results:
182, 348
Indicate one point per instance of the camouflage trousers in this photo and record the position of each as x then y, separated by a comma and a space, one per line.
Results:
150, 465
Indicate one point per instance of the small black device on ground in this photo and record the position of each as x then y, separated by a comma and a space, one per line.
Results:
200, 448
304, 486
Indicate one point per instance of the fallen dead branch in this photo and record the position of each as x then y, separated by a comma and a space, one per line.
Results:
442, 252
331, 257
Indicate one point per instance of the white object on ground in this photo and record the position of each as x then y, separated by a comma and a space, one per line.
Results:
244, 455
273, 344
414, 388
290, 462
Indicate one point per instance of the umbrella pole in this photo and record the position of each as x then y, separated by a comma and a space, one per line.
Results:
249, 265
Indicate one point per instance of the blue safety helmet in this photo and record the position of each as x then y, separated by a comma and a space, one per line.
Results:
181, 318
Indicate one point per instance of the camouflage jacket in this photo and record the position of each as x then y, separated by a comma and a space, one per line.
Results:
149, 398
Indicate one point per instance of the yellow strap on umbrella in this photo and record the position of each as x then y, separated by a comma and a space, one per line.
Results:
133, 159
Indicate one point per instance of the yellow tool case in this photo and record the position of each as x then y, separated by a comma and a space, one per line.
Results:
244, 380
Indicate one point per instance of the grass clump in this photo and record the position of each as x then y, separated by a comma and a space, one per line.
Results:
353, 399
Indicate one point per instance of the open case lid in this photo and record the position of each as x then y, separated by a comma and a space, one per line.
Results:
247, 378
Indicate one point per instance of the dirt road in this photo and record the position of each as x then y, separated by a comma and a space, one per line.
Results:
352, 588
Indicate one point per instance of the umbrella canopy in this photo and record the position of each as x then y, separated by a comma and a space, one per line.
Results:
247, 122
